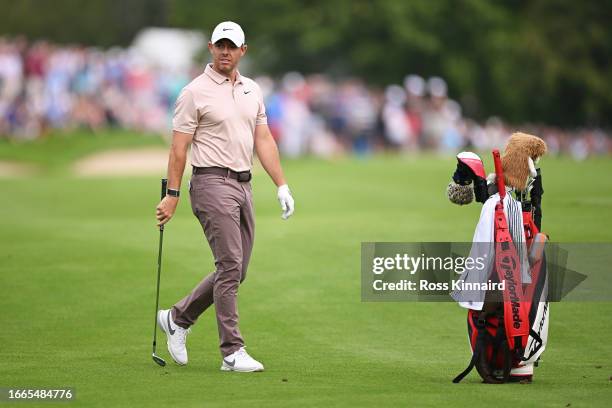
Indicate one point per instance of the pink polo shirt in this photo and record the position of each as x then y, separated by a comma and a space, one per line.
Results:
222, 119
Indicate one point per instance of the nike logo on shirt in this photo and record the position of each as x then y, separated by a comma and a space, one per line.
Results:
246, 92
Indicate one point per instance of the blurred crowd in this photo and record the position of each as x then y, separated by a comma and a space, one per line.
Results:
323, 117
44, 86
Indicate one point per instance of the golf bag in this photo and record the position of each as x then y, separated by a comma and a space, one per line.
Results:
508, 335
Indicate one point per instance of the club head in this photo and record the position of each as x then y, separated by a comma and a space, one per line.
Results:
160, 361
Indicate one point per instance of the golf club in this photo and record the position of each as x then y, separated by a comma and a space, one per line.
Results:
156, 358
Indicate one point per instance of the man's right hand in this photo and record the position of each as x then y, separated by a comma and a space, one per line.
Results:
165, 209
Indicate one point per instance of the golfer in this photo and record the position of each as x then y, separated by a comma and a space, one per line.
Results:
222, 115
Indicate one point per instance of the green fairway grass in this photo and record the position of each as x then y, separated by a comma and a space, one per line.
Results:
78, 273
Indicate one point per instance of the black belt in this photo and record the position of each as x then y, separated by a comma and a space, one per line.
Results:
241, 176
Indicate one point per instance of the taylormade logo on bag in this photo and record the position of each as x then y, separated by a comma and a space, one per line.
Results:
509, 278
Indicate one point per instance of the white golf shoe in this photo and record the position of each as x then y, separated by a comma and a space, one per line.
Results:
241, 361
176, 335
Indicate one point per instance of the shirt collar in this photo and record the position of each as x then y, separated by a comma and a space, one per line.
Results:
217, 77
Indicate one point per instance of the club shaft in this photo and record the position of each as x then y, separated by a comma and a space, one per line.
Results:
164, 186
159, 258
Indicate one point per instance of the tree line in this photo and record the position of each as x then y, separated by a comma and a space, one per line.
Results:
538, 61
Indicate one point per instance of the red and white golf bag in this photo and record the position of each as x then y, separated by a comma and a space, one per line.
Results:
508, 331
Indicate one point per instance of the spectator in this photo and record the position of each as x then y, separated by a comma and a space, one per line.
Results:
45, 86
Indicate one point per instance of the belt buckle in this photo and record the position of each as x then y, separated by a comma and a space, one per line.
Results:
244, 176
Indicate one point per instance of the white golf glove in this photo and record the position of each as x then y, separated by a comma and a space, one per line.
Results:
286, 201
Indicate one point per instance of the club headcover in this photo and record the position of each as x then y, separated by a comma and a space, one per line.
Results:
460, 194
471, 165
469, 170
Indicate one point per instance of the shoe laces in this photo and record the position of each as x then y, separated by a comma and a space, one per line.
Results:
242, 352
181, 334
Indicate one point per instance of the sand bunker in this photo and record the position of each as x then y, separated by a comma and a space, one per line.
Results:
134, 162
10, 169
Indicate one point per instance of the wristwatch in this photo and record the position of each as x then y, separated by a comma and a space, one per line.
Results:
172, 192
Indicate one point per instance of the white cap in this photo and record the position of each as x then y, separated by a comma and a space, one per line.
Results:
229, 30
415, 85
437, 87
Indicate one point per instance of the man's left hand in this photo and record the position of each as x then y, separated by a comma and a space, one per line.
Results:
286, 201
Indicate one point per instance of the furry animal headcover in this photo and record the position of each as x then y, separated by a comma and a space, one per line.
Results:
515, 161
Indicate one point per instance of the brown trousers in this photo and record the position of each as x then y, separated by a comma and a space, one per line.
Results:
224, 208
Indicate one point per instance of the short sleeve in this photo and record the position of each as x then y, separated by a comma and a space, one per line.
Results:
185, 118
262, 118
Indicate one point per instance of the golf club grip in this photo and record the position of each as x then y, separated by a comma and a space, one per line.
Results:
164, 187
